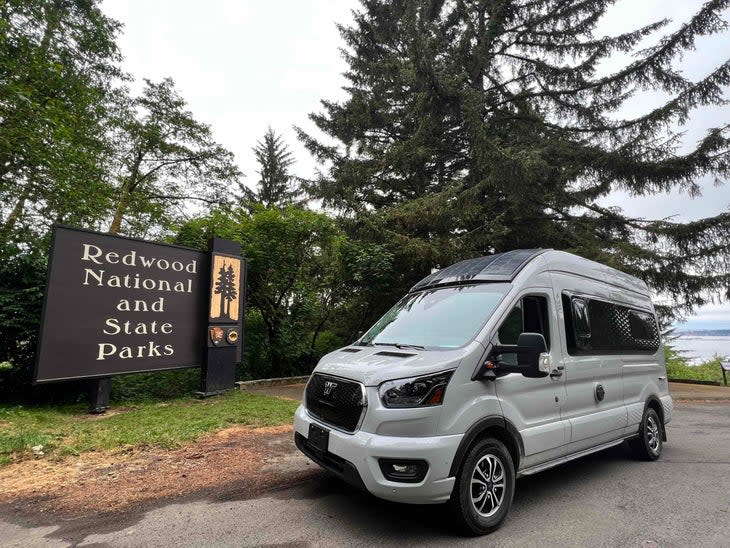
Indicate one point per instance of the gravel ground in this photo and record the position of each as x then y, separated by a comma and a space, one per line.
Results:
606, 499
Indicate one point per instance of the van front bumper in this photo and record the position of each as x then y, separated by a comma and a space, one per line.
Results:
355, 458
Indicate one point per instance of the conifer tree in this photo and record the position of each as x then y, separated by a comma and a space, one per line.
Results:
478, 126
276, 186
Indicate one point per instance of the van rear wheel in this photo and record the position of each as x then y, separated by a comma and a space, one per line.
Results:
648, 446
484, 488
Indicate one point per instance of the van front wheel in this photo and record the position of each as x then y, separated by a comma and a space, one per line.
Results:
484, 488
648, 446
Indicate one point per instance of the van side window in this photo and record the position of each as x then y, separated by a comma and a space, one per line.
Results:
643, 330
511, 327
595, 326
530, 315
605, 318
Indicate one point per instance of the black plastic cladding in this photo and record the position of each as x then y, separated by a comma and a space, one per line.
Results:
502, 267
341, 406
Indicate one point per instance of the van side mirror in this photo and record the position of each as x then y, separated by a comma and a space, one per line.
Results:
532, 358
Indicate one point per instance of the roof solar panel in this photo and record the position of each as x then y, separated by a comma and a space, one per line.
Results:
502, 267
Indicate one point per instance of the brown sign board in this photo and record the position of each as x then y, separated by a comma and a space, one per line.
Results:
118, 305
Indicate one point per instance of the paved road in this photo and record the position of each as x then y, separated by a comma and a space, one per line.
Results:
602, 500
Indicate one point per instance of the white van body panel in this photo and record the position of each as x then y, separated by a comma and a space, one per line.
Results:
552, 419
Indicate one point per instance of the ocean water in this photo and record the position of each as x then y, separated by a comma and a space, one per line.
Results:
699, 348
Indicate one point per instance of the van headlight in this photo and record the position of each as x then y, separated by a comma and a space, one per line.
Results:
416, 391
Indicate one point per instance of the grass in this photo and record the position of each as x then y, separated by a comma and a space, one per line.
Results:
677, 368
69, 430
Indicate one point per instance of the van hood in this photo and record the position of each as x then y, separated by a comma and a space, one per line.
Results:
373, 365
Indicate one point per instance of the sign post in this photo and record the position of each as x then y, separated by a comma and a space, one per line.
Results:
725, 365
99, 392
225, 315
116, 305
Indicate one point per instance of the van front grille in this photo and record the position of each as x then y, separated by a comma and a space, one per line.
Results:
335, 401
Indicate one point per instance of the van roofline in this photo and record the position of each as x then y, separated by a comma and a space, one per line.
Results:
506, 267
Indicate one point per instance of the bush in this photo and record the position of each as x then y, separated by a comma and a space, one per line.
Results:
677, 368
155, 385
22, 282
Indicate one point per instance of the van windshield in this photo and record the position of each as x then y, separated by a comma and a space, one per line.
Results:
447, 317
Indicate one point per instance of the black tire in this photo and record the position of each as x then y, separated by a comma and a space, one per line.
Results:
487, 452
648, 446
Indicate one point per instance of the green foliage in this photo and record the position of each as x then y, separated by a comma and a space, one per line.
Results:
302, 271
76, 147
68, 430
155, 386
22, 283
166, 159
677, 368
58, 59
477, 126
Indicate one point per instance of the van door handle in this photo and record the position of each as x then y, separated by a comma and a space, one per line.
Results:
557, 372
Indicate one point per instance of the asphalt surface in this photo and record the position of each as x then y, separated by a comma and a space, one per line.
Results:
606, 499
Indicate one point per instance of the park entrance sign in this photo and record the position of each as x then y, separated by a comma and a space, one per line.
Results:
117, 305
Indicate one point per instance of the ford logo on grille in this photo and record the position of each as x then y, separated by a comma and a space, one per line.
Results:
329, 386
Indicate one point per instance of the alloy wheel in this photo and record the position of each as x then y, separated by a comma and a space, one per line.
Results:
488, 485
653, 434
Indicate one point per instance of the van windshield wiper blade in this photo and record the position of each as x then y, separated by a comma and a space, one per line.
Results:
400, 345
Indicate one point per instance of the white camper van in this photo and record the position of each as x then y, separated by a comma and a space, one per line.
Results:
488, 370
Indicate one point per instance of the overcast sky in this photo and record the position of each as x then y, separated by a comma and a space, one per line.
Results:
245, 64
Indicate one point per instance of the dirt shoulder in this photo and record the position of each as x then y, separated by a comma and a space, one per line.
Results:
237, 461
699, 392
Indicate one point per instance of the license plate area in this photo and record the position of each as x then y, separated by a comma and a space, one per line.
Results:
318, 438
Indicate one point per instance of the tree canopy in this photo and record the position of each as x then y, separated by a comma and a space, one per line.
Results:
58, 64
164, 159
478, 126
302, 272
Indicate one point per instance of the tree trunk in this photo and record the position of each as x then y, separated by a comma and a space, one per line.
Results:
14, 216
130, 183
317, 331
119, 212
272, 333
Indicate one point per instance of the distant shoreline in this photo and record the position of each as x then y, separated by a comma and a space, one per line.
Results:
703, 332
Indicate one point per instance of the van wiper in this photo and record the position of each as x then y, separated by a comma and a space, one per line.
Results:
400, 345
